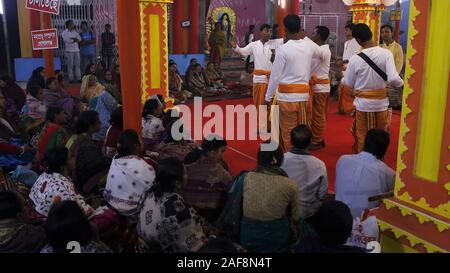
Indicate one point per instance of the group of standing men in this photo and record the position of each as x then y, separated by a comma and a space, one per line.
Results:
294, 74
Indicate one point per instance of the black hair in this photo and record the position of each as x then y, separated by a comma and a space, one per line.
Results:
323, 32
66, 222
107, 25
172, 62
362, 33
33, 90
333, 223
377, 142
84, 23
128, 143
55, 159
265, 26
350, 26
265, 158
168, 172
117, 118
251, 27
150, 107
49, 81
301, 137
37, 72
210, 144
387, 26
87, 70
192, 60
292, 23
10, 205
68, 22
220, 245
52, 112
85, 121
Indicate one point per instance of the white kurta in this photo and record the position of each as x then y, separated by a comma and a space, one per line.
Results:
262, 54
310, 174
359, 177
321, 69
351, 48
361, 77
292, 65
70, 45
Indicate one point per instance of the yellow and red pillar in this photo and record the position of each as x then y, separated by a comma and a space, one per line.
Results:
365, 12
143, 50
396, 17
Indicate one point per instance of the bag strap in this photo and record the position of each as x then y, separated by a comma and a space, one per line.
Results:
377, 69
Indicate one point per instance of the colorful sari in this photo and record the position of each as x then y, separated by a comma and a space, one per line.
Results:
218, 42
106, 104
52, 136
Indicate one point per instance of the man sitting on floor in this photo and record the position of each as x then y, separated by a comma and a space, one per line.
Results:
309, 172
361, 176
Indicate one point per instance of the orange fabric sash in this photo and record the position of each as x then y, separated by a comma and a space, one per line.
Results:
260, 72
293, 88
376, 94
314, 80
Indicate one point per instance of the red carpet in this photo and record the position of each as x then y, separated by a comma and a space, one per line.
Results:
241, 155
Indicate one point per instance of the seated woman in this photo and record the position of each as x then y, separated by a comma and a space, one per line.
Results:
67, 223
106, 104
198, 84
37, 78
270, 205
91, 92
14, 92
176, 85
53, 134
91, 165
33, 114
17, 233
54, 96
172, 148
100, 71
113, 133
214, 77
152, 125
166, 223
207, 179
13, 150
55, 185
129, 177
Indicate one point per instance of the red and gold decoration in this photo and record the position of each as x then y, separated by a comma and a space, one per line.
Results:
417, 219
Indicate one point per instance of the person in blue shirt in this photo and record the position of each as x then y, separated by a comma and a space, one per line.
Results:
87, 45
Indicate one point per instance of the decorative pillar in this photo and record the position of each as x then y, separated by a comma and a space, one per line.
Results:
194, 17
282, 12
142, 27
366, 12
295, 7
24, 29
417, 219
35, 24
178, 17
48, 53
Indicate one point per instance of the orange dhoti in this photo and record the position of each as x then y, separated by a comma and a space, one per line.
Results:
292, 114
259, 92
345, 104
366, 121
319, 116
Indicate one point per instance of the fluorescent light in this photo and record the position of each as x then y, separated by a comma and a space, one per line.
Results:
1, 7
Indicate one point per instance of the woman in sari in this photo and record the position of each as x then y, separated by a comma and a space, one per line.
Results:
32, 118
37, 78
53, 134
91, 165
270, 205
54, 96
166, 223
176, 85
92, 91
214, 78
106, 104
208, 179
14, 92
113, 133
199, 84
55, 185
129, 177
218, 43
18, 234
152, 125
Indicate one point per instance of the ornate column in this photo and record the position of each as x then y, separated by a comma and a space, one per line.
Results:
178, 17
282, 12
396, 17
142, 29
294, 7
417, 219
368, 12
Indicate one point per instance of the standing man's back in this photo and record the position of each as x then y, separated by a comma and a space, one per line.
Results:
361, 176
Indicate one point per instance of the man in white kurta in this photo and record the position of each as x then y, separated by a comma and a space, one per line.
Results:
320, 85
371, 99
262, 51
364, 175
291, 74
351, 48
